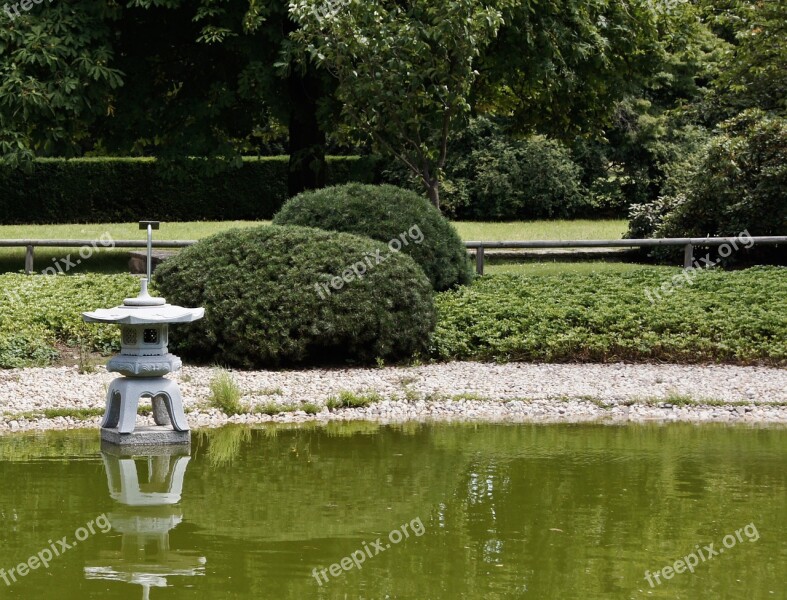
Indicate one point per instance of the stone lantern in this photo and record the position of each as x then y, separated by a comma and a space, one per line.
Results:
143, 361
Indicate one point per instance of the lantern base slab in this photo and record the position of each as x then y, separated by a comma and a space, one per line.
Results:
146, 435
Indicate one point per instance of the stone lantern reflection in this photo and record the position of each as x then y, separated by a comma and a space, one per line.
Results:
148, 510
143, 362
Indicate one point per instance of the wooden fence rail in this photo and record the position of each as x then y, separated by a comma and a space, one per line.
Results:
478, 246
688, 245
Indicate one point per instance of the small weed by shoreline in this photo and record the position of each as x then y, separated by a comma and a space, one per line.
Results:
347, 399
225, 394
310, 408
274, 408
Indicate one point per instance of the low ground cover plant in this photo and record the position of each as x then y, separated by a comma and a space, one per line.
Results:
736, 317
40, 314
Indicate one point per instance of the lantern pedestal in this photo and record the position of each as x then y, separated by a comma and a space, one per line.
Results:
123, 399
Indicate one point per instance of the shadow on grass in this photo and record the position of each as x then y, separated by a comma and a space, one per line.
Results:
108, 261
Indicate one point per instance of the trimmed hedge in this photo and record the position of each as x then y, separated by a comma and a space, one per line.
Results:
105, 190
388, 214
275, 296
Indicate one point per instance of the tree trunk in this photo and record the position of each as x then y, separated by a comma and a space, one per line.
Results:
307, 168
433, 190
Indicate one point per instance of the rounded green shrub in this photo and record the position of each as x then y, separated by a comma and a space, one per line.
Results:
292, 295
524, 179
405, 221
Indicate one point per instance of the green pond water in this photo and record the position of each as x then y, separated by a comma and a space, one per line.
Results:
488, 511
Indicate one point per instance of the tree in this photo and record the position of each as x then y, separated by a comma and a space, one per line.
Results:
404, 71
754, 73
203, 83
168, 78
56, 78
559, 67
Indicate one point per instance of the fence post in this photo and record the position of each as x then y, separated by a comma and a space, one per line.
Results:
29, 260
479, 260
688, 256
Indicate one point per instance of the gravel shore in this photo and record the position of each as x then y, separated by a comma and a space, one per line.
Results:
514, 392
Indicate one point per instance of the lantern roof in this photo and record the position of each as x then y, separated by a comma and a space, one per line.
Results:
144, 310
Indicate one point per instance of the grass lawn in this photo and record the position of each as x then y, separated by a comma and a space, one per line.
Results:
609, 229
469, 230
115, 261
105, 260
577, 268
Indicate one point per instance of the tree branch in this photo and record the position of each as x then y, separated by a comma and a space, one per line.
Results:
444, 139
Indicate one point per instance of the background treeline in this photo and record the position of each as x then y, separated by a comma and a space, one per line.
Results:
673, 111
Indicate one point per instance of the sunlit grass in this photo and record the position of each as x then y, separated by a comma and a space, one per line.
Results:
102, 259
192, 230
611, 229
108, 260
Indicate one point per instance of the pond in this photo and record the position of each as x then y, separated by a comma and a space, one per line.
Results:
358, 510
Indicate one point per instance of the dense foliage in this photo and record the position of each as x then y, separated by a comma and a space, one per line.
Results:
293, 295
560, 67
387, 213
752, 73
57, 77
404, 70
112, 190
740, 184
490, 175
167, 78
734, 317
512, 180
632, 87
42, 313
736, 181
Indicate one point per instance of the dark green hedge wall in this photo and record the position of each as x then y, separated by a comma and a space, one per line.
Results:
98, 190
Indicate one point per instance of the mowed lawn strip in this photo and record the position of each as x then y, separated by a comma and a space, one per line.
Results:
468, 230
107, 260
